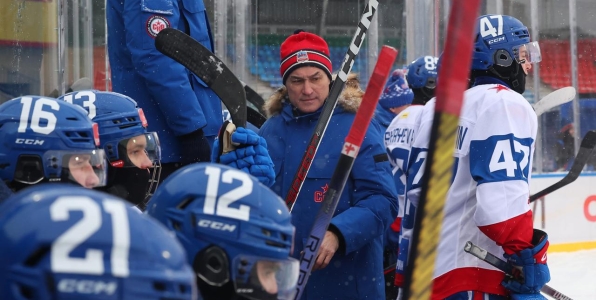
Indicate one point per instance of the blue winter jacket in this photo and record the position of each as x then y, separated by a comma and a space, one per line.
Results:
368, 204
384, 117
175, 101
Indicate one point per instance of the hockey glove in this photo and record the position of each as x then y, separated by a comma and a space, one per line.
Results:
194, 148
532, 263
250, 154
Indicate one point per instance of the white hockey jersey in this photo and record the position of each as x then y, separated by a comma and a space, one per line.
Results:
398, 143
487, 202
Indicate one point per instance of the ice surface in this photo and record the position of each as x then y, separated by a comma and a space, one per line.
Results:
574, 273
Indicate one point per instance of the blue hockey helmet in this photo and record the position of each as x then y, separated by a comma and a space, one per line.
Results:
122, 127
124, 138
237, 232
501, 39
60, 241
422, 72
48, 140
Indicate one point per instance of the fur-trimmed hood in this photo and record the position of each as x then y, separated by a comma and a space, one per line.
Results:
349, 100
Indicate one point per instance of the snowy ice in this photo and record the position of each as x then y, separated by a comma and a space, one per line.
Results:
574, 273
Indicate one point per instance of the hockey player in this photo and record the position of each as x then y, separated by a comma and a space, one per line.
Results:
237, 233
65, 242
181, 108
487, 202
46, 140
422, 80
133, 153
396, 97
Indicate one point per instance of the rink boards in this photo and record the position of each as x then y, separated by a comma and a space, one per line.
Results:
569, 214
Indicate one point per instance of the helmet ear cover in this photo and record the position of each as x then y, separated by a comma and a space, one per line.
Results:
502, 58
29, 169
212, 266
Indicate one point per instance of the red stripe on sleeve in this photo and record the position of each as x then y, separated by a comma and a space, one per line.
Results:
513, 235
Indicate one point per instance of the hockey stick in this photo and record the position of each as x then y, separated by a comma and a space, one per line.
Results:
455, 68
254, 98
390, 268
344, 165
252, 116
582, 157
255, 117
203, 63
330, 103
502, 265
556, 98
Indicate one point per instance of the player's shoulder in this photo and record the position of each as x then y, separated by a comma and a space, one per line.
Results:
496, 99
407, 116
491, 93
413, 110
428, 111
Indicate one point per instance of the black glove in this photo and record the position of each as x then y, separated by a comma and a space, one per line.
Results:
194, 148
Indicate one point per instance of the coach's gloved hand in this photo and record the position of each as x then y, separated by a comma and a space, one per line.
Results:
250, 156
194, 147
534, 271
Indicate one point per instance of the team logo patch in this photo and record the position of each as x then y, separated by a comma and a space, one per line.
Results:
319, 195
301, 56
155, 24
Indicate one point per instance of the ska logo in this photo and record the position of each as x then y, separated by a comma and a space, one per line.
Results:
155, 24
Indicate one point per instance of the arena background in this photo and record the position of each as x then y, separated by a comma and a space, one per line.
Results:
46, 45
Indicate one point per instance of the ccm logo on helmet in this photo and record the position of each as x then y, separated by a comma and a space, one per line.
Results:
496, 40
94, 287
29, 142
217, 225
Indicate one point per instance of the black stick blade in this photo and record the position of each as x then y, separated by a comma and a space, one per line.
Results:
585, 152
254, 98
208, 67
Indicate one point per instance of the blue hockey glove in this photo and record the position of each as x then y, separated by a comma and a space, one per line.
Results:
250, 156
534, 271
